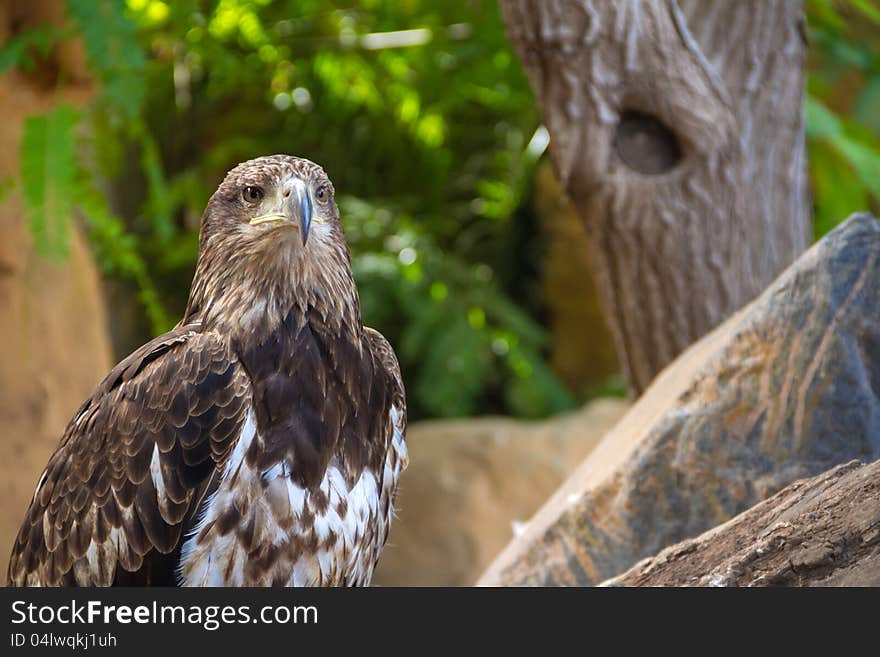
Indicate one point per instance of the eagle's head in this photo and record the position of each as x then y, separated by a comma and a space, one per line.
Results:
275, 198
271, 239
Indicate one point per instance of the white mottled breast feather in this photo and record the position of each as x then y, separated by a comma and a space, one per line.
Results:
290, 536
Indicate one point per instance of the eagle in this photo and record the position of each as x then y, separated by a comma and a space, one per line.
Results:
257, 443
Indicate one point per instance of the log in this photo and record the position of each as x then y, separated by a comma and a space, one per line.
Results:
823, 531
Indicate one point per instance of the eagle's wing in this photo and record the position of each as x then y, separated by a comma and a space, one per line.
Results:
393, 430
122, 488
384, 357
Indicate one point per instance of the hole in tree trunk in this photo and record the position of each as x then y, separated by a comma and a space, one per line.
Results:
645, 144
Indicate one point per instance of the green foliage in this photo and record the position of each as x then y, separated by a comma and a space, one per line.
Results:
53, 184
48, 164
841, 148
116, 249
463, 331
114, 53
54, 178
25, 48
843, 109
419, 112
421, 115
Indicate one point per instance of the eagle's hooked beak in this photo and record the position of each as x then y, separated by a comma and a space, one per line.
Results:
297, 207
298, 202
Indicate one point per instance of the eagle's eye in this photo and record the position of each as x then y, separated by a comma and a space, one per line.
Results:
252, 194
322, 193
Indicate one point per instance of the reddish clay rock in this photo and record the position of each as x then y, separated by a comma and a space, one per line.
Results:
52, 315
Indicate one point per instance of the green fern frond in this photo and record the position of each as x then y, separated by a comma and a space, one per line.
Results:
20, 50
113, 51
48, 163
116, 249
158, 205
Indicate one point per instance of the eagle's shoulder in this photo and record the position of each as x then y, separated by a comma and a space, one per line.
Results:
120, 489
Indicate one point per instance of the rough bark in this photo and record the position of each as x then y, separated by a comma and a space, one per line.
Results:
52, 316
786, 388
823, 531
677, 131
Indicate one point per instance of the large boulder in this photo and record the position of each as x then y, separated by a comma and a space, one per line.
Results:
823, 531
470, 484
786, 388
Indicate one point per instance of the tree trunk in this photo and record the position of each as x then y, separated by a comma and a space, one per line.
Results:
677, 131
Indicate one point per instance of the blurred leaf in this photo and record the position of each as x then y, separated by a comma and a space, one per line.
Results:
824, 13
48, 163
867, 9
857, 147
454, 369
821, 122
867, 110
864, 156
838, 193
114, 52
158, 205
116, 250
20, 50
538, 394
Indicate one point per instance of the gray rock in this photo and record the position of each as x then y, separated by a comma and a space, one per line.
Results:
785, 389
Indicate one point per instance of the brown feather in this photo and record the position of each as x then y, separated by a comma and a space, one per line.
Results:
143, 395
272, 327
